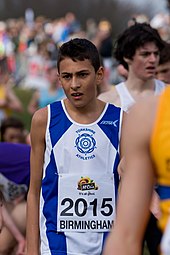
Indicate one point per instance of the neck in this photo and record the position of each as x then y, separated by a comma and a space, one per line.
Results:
136, 84
85, 115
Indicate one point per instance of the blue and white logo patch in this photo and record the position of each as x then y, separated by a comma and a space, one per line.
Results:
85, 143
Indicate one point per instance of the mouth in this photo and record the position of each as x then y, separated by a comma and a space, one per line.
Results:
77, 95
151, 68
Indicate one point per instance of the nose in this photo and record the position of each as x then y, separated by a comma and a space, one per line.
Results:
75, 83
153, 57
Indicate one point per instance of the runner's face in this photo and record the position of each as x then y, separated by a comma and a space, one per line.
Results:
79, 81
163, 72
145, 61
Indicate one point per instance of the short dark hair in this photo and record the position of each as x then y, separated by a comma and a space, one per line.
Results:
79, 49
133, 38
165, 54
10, 122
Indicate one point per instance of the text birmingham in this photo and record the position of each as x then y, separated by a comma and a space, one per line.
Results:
85, 225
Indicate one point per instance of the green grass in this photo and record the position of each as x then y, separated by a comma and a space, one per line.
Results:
24, 95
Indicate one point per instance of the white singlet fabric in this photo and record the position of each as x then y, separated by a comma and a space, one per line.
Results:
127, 100
80, 182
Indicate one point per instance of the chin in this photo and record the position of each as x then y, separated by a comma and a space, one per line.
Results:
151, 76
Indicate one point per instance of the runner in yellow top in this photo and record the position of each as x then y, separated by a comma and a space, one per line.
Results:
160, 151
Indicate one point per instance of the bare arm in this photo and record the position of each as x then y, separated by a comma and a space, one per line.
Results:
137, 184
9, 223
38, 129
154, 207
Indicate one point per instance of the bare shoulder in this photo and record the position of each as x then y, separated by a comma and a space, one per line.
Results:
39, 122
137, 126
145, 105
40, 116
110, 96
141, 116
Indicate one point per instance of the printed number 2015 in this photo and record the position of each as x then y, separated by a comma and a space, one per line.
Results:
106, 208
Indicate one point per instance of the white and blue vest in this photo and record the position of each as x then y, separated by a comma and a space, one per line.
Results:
80, 181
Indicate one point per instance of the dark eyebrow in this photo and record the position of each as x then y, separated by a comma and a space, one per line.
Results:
82, 71
145, 50
79, 72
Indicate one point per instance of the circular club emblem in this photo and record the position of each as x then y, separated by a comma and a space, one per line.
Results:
85, 143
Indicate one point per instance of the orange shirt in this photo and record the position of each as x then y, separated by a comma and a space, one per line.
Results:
160, 151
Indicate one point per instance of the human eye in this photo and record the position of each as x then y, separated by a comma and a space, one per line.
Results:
66, 76
145, 54
83, 75
157, 53
164, 71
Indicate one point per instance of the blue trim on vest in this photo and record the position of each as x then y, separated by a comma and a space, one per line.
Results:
58, 118
110, 124
57, 241
164, 192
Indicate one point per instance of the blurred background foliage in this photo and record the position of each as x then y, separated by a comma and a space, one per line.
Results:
24, 95
117, 12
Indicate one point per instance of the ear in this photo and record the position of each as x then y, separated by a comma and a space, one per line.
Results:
59, 79
128, 60
99, 75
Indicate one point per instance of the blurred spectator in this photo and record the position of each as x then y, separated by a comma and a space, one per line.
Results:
91, 28
72, 26
12, 130
44, 96
7, 46
29, 41
161, 22
14, 183
29, 17
9, 102
163, 69
65, 27
139, 18
38, 57
105, 85
104, 42
10, 225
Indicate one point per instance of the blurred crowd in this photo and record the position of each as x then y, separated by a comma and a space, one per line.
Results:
28, 54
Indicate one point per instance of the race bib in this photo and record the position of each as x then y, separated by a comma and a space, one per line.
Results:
165, 243
85, 203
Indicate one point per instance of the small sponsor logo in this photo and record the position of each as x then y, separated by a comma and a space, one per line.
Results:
109, 122
85, 183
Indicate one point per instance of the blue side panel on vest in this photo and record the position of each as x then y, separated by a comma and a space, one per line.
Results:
58, 118
116, 175
50, 194
107, 121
